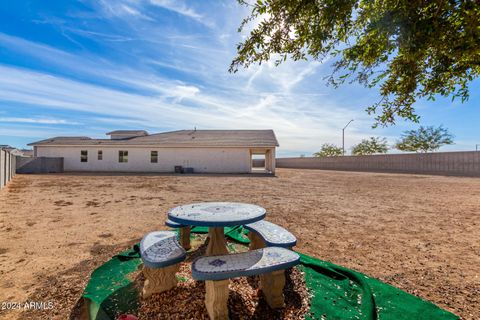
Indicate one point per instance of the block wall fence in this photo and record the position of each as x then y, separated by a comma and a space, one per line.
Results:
442, 163
7, 167
39, 165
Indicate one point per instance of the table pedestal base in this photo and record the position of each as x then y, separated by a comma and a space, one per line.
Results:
216, 244
185, 238
256, 242
272, 287
159, 279
216, 299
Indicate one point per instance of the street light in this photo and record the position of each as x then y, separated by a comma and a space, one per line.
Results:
343, 136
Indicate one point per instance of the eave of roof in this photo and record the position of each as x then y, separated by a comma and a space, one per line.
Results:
181, 138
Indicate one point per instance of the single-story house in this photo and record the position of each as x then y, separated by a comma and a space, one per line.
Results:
208, 151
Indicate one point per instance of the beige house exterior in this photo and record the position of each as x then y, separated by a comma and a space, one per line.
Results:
205, 151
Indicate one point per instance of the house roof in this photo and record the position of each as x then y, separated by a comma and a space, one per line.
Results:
134, 132
195, 138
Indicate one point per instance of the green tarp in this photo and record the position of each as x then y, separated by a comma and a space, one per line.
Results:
110, 290
337, 292
341, 293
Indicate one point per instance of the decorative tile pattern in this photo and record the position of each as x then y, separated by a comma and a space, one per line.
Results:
217, 262
272, 234
216, 214
244, 264
160, 249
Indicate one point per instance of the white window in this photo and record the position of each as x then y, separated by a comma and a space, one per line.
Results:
100, 155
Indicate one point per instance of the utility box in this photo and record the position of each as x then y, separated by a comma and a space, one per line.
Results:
178, 169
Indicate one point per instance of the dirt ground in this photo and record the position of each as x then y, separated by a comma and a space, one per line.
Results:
418, 233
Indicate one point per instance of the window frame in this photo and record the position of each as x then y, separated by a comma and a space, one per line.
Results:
83, 157
99, 155
153, 156
122, 156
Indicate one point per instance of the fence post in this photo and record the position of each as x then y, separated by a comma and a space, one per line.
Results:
2, 168
7, 167
14, 166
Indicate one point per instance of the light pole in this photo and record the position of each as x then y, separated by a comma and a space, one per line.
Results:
343, 137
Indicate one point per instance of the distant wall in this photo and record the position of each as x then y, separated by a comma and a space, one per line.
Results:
258, 163
39, 165
442, 163
7, 167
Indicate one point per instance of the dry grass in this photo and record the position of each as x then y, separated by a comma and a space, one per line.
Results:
419, 233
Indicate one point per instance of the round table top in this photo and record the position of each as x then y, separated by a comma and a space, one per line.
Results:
216, 214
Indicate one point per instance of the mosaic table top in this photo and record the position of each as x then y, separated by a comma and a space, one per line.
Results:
216, 214
272, 234
161, 249
244, 264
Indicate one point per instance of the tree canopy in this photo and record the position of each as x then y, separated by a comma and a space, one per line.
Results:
328, 150
369, 146
408, 49
424, 139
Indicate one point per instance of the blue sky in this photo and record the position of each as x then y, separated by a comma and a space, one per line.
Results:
89, 67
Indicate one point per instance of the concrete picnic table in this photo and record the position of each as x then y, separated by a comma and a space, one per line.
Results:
216, 216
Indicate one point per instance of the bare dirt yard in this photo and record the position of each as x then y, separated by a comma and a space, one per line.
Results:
418, 233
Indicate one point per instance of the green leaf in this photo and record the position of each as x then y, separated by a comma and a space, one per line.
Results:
407, 50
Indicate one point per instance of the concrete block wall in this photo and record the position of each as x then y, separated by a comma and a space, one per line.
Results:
258, 163
443, 163
39, 165
7, 167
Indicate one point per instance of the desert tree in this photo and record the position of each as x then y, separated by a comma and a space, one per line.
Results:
408, 50
424, 139
328, 150
372, 145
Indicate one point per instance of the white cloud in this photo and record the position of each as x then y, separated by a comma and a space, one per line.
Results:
299, 128
179, 6
37, 120
129, 10
119, 9
32, 133
182, 92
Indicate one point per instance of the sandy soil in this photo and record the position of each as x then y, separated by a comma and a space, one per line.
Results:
419, 233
